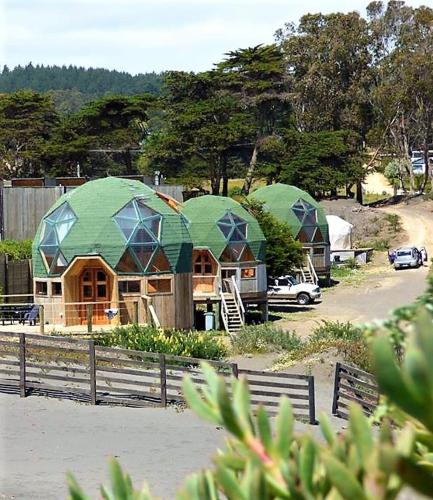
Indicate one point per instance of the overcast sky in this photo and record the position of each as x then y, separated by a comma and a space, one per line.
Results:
146, 35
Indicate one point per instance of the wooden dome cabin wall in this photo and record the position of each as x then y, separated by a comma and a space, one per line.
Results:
305, 217
113, 242
227, 242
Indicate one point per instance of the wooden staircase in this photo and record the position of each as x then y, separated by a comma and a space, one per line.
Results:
232, 309
308, 273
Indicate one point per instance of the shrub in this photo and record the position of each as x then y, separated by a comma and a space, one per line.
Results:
264, 338
148, 339
394, 222
16, 250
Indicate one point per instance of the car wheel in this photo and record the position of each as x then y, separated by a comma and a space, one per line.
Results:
303, 299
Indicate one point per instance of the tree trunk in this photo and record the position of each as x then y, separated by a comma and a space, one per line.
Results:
215, 185
359, 197
225, 179
251, 168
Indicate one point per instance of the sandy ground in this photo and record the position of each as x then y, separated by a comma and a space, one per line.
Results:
43, 438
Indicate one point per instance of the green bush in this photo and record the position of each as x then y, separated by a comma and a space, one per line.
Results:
394, 222
264, 338
16, 250
148, 339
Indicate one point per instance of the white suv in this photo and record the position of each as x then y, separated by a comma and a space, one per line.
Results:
286, 287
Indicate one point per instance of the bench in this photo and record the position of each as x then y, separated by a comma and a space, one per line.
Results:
14, 313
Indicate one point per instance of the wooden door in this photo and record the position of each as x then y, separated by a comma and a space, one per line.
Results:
205, 272
95, 288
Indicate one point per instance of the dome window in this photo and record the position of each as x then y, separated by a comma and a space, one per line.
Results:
55, 228
233, 227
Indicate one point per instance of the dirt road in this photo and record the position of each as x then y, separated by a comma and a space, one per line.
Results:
382, 290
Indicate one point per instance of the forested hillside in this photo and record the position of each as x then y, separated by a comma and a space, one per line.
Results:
71, 86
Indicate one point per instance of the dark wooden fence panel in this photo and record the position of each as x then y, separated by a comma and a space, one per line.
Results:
127, 377
77, 369
267, 387
179, 366
352, 385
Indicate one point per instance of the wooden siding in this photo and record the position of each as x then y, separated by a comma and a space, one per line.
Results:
23, 209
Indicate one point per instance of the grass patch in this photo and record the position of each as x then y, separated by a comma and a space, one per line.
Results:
148, 339
264, 338
394, 222
347, 339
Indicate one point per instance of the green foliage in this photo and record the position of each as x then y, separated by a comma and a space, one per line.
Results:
264, 461
148, 339
264, 338
16, 250
90, 82
394, 222
27, 123
283, 253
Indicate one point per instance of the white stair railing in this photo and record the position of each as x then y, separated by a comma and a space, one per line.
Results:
224, 311
312, 270
238, 300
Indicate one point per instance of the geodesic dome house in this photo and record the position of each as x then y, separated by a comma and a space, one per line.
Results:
109, 243
304, 215
228, 242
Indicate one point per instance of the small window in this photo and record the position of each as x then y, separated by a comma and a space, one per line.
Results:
56, 288
157, 286
41, 288
101, 276
248, 273
318, 251
129, 286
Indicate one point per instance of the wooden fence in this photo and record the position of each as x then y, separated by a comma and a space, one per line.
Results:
352, 385
78, 369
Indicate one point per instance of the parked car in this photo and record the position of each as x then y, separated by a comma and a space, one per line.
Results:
407, 257
288, 287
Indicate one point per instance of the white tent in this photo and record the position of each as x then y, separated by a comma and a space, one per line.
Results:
340, 233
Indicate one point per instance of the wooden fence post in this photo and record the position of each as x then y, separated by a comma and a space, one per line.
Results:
163, 380
22, 365
92, 371
311, 401
41, 319
235, 370
336, 388
89, 313
135, 312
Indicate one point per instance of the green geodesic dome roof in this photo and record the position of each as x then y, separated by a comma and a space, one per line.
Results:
296, 207
123, 221
225, 227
